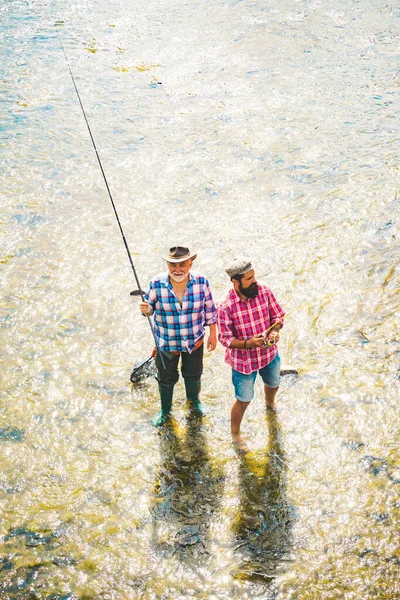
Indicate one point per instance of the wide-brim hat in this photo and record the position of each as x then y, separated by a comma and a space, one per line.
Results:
179, 254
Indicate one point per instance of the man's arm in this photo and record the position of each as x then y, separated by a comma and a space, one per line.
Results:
254, 342
212, 338
210, 317
209, 307
276, 315
147, 306
276, 312
227, 338
224, 322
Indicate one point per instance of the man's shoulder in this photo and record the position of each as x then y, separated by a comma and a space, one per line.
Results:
159, 280
229, 300
264, 293
198, 277
263, 288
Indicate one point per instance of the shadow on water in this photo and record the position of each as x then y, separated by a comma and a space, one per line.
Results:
263, 526
188, 492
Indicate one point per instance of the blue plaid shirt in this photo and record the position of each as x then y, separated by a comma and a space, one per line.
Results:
180, 328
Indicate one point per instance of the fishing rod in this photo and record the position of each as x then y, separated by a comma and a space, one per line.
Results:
112, 201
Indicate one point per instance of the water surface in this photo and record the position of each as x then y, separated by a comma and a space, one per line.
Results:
263, 128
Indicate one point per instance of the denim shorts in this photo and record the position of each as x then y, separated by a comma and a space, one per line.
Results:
244, 384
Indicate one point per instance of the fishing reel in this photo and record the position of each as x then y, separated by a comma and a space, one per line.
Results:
269, 341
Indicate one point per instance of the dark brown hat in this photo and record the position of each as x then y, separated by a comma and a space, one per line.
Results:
179, 254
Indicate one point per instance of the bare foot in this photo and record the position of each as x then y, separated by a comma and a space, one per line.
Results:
238, 443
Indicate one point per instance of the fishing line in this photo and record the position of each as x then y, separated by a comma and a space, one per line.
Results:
112, 201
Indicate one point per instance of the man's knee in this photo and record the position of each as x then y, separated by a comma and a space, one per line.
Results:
270, 390
167, 373
167, 379
192, 372
241, 405
192, 365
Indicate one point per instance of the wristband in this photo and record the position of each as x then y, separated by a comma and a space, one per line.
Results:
244, 345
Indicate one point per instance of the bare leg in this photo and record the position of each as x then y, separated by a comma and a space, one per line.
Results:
237, 412
270, 394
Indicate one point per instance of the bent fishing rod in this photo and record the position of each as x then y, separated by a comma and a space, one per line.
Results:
112, 201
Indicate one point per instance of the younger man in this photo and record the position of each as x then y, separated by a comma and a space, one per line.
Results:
249, 320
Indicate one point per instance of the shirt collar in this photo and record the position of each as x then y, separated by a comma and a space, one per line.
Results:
236, 298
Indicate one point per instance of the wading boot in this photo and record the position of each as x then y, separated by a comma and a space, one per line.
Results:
192, 394
166, 404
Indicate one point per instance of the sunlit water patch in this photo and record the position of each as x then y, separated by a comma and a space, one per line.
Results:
238, 127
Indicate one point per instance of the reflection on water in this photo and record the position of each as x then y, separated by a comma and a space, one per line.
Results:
263, 524
188, 492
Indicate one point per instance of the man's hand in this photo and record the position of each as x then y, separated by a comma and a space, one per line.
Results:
145, 309
273, 337
256, 341
212, 342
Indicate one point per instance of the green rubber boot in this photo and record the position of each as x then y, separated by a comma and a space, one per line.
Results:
166, 394
192, 393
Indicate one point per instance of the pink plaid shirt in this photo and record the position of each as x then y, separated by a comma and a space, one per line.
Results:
242, 319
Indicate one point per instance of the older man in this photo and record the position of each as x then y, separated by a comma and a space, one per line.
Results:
249, 320
182, 304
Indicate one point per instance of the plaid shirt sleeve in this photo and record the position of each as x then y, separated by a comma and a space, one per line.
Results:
209, 305
225, 326
151, 295
276, 314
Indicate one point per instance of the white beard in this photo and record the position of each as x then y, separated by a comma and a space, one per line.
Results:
178, 278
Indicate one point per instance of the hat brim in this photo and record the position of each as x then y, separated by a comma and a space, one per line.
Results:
178, 260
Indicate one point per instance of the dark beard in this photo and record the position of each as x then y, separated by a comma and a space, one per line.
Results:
251, 291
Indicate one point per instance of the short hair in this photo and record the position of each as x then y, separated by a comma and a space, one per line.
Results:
238, 277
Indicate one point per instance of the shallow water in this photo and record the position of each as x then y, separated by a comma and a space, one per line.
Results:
239, 127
